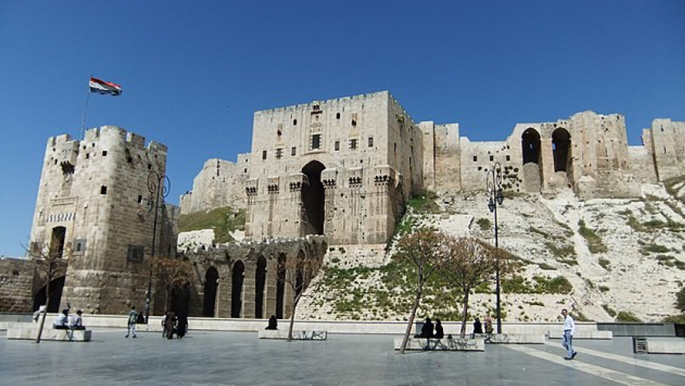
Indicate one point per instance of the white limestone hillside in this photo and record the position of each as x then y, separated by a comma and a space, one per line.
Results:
637, 266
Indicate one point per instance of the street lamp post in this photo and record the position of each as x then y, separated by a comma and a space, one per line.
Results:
159, 186
495, 199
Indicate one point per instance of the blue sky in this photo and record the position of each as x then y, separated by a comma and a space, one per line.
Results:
193, 73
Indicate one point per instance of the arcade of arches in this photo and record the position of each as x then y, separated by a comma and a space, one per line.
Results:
247, 280
546, 160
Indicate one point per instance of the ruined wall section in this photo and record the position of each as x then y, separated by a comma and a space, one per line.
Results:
220, 183
667, 147
16, 282
102, 202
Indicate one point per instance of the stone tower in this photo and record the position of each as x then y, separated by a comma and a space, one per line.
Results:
94, 204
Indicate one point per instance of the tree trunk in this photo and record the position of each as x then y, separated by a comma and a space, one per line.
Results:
45, 311
465, 314
417, 299
292, 317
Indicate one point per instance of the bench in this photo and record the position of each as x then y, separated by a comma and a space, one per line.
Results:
297, 334
50, 334
445, 344
582, 334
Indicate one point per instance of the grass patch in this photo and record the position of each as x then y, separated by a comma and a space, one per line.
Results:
605, 263
594, 241
653, 248
539, 285
609, 310
424, 203
546, 267
627, 316
222, 220
560, 251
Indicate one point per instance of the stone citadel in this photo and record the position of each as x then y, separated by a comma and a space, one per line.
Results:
341, 168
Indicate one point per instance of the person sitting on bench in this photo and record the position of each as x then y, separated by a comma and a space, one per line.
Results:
427, 329
76, 323
61, 321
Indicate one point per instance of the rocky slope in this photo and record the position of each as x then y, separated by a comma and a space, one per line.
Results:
621, 257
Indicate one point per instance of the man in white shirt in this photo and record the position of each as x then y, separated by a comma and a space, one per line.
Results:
569, 331
61, 322
76, 323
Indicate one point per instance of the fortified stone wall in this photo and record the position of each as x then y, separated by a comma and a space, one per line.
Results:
16, 283
95, 197
219, 183
369, 157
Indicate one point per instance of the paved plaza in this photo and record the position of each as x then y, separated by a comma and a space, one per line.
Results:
239, 358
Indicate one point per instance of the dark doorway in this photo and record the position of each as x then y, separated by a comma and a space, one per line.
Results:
180, 299
57, 242
260, 281
237, 289
280, 286
313, 198
56, 287
561, 146
530, 146
211, 285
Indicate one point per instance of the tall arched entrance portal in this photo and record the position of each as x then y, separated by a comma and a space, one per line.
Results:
532, 161
56, 287
313, 199
237, 289
280, 286
260, 282
211, 285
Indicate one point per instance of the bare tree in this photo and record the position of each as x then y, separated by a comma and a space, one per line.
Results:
299, 272
50, 265
173, 274
422, 250
468, 263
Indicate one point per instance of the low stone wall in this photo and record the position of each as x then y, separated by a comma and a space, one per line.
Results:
455, 344
49, 334
297, 334
665, 346
581, 334
515, 338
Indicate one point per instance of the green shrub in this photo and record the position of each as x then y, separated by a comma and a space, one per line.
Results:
484, 224
603, 288
605, 263
680, 300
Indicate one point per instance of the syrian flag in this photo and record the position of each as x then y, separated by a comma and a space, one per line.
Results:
102, 87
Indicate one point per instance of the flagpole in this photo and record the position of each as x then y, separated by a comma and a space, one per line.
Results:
85, 112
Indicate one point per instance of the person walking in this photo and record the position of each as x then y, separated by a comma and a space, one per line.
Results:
569, 331
132, 319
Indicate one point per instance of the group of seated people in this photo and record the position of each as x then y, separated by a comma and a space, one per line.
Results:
427, 330
64, 321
